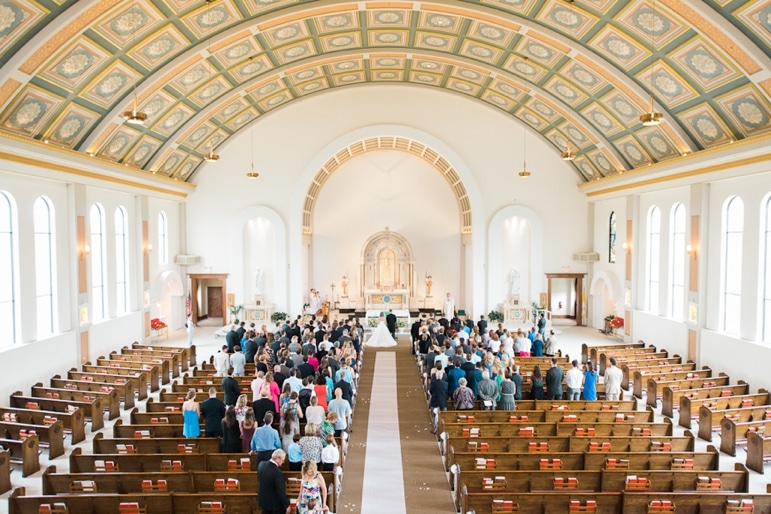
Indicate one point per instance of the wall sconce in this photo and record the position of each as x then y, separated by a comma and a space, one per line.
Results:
84, 251
626, 247
148, 248
693, 251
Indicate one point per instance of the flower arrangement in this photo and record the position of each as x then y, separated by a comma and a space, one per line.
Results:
614, 321
278, 316
157, 324
495, 316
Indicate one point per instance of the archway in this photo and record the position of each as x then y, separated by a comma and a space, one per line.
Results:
167, 293
604, 297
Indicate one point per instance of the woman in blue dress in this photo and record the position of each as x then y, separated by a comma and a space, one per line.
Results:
590, 382
191, 414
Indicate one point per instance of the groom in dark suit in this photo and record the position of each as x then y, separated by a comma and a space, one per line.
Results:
391, 323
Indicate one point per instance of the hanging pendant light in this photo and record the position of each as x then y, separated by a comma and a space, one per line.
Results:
652, 118
134, 116
569, 154
210, 156
251, 174
524, 173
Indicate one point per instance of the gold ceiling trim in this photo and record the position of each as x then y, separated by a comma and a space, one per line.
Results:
304, 14
714, 33
60, 39
7, 89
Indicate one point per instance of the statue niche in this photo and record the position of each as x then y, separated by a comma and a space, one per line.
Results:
387, 271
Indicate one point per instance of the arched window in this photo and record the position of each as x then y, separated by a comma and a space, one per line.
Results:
121, 260
163, 238
766, 264
731, 272
677, 261
652, 264
98, 268
45, 265
612, 238
8, 270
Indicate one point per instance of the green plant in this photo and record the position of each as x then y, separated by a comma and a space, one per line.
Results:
495, 316
278, 316
234, 310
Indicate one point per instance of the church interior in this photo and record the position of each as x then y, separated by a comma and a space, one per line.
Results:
603, 162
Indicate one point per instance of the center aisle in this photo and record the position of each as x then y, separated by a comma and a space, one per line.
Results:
399, 398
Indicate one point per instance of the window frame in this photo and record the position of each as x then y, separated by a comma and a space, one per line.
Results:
48, 270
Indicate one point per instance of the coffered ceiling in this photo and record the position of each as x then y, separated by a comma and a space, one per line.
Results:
578, 74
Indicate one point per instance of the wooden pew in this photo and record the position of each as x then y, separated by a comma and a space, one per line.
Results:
527, 404
20, 503
137, 381
123, 482
160, 407
603, 358
162, 365
125, 392
110, 399
170, 358
693, 502
641, 378
80, 463
686, 383
147, 418
709, 419
52, 434
708, 460
116, 368
674, 371
202, 394
26, 453
5, 471
629, 366
623, 428
165, 430
73, 422
540, 503
647, 358
590, 352
735, 434
758, 451
188, 353
515, 418
18, 400
245, 386
692, 399
155, 445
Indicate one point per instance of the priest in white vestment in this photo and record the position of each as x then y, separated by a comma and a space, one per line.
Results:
449, 307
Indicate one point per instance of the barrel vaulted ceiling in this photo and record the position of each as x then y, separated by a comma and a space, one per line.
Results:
578, 74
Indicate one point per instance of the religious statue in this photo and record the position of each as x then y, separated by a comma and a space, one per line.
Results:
449, 307
514, 280
344, 285
429, 283
258, 281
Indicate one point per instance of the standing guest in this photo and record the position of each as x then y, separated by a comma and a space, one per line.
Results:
315, 413
330, 454
321, 390
537, 347
590, 382
554, 381
488, 391
507, 390
463, 398
573, 380
550, 346
438, 390
232, 339
613, 377
313, 490
191, 413
275, 390
213, 410
290, 420
517, 378
295, 455
272, 497
264, 404
238, 361
310, 444
257, 383
240, 331
343, 410
248, 426
328, 426
222, 361
294, 382
265, 439
231, 389
536, 386
250, 348
231, 432
542, 325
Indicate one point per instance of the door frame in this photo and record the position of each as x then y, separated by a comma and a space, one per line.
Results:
195, 279
578, 285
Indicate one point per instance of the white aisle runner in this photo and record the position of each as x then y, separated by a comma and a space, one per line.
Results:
383, 485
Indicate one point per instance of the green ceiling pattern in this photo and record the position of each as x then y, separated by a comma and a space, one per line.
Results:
578, 74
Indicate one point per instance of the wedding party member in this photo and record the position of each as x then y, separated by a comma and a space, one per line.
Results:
382, 337
391, 323
272, 497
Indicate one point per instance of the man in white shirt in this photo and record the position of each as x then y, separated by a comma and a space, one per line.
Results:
613, 376
573, 380
222, 361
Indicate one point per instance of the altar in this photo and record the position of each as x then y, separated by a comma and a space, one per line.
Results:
389, 299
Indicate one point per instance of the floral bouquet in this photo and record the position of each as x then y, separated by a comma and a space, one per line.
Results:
157, 324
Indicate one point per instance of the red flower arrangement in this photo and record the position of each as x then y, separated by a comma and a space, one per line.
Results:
157, 324
617, 322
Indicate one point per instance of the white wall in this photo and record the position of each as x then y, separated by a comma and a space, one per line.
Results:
737, 358
663, 333
387, 189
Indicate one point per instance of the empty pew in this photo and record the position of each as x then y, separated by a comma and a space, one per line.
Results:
117, 368
662, 372
188, 353
117, 483
690, 400
20, 503
735, 434
758, 451
693, 502
171, 359
155, 445
644, 380
603, 358
709, 419
162, 365
5, 471
147, 418
109, 399
125, 392
591, 352
73, 422
19, 400
80, 463
708, 460
26, 453
629, 366
540, 503
52, 434
136, 381
165, 430
656, 387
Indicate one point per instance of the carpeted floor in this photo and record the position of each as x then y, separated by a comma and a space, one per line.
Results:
425, 483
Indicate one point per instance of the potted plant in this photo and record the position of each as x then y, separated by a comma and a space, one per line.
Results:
234, 311
278, 316
495, 316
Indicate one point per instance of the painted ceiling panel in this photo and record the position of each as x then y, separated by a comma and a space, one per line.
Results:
579, 73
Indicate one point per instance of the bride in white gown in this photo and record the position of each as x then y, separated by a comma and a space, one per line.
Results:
380, 337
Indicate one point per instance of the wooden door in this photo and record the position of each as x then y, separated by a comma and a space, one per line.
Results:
214, 301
